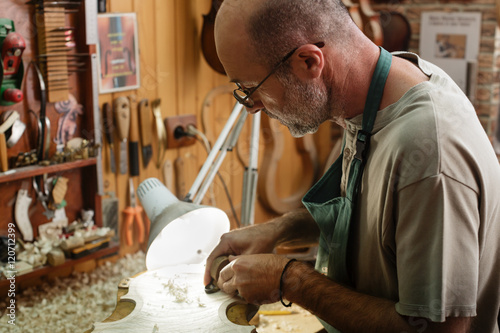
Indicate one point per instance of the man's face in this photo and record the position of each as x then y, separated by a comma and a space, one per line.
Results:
300, 105
304, 106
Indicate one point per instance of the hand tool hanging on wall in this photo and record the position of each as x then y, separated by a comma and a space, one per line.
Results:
60, 36
12, 71
111, 213
145, 118
109, 128
133, 213
121, 109
168, 175
180, 177
43, 121
62, 62
133, 144
161, 132
43, 141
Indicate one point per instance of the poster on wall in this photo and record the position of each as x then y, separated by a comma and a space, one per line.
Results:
118, 52
451, 41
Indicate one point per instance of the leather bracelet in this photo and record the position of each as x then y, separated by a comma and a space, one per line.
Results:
281, 283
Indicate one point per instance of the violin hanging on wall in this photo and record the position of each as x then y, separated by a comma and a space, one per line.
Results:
208, 38
391, 30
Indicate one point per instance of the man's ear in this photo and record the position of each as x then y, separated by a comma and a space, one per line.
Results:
308, 62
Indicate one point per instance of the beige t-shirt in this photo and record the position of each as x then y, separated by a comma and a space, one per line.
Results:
427, 228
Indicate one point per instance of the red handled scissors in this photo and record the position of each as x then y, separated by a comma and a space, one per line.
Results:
134, 213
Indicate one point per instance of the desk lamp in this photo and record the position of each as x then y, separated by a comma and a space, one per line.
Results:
181, 232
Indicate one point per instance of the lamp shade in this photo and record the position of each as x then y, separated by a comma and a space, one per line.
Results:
181, 232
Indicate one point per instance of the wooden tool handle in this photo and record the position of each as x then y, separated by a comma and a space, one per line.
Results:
180, 180
145, 119
168, 175
4, 163
134, 137
109, 126
134, 121
217, 265
121, 109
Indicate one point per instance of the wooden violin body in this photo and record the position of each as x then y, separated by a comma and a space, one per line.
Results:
173, 299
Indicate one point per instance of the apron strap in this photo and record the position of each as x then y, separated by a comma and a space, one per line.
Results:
338, 257
372, 106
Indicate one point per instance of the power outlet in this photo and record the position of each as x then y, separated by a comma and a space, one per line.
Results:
177, 125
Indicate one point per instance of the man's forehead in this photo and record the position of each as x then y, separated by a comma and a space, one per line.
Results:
232, 41
247, 5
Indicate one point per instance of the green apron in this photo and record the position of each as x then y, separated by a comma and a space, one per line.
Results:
333, 212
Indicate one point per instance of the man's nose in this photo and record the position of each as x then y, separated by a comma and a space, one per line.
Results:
257, 106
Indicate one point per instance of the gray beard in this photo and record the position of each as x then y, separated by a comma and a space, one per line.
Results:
306, 106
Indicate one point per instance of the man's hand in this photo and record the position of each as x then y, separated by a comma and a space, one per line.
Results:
259, 238
255, 277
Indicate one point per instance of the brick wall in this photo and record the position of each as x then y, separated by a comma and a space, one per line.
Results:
488, 79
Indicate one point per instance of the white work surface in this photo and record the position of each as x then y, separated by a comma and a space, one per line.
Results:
173, 299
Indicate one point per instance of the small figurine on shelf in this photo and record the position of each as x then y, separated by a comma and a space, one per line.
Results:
87, 217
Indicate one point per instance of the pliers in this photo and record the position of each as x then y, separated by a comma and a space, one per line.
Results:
133, 212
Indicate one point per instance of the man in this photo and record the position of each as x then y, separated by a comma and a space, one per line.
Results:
408, 220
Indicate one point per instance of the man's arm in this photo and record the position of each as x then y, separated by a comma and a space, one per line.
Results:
351, 311
296, 228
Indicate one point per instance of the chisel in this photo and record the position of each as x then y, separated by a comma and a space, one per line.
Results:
121, 109
108, 131
145, 116
133, 144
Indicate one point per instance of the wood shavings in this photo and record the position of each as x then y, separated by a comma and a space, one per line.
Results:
74, 303
179, 292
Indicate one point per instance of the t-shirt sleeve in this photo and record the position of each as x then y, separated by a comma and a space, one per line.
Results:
437, 251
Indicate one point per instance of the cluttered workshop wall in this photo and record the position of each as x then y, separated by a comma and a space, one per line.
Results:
174, 70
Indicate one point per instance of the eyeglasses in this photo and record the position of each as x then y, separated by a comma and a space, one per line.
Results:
242, 95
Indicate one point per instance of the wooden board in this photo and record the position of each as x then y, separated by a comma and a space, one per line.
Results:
174, 300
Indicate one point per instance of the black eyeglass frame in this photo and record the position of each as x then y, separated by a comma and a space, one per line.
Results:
247, 101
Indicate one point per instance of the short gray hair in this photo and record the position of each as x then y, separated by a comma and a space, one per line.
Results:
278, 26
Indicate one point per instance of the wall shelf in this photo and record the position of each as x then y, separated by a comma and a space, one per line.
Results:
44, 270
36, 170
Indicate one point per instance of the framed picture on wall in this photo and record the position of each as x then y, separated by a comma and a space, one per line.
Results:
450, 40
118, 52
